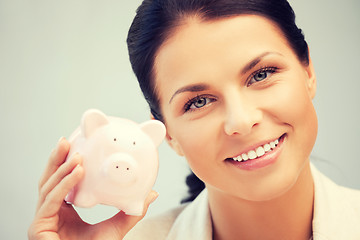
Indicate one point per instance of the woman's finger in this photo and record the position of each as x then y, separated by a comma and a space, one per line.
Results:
55, 198
56, 178
57, 157
123, 223
126, 222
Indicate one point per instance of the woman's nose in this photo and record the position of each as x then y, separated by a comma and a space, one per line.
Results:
241, 116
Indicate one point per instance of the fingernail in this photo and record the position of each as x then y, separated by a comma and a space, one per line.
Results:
76, 156
154, 197
62, 138
77, 166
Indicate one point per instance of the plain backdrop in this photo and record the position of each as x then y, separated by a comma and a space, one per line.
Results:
59, 58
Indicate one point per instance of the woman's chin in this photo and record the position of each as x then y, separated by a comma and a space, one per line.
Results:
271, 190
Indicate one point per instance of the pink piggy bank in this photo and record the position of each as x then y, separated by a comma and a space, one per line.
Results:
120, 160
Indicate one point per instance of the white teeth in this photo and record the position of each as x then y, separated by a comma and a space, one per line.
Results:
252, 154
258, 152
239, 159
267, 147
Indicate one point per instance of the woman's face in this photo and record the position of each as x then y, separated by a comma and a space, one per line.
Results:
229, 90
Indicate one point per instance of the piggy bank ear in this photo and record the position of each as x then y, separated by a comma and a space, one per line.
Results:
92, 119
155, 130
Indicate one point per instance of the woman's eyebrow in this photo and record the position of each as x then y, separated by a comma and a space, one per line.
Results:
190, 88
256, 60
203, 87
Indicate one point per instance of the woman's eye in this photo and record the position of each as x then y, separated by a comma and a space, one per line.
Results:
261, 75
198, 102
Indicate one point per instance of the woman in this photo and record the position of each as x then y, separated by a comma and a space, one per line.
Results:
233, 82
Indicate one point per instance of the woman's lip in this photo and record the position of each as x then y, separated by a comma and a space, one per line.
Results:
263, 161
255, 146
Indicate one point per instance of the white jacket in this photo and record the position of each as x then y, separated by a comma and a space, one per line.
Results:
336, 216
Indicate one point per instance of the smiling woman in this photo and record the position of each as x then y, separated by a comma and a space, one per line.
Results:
233, 82
243, 115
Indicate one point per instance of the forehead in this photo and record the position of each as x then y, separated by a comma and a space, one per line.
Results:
193, 31
197, 47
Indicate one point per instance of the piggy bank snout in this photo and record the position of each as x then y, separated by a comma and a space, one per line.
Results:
121, 168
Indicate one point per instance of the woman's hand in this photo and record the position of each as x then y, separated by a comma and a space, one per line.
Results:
54, 219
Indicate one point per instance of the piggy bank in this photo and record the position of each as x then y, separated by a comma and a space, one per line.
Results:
120, 161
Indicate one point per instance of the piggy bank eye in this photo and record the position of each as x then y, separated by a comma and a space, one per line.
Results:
134, 143
114, 139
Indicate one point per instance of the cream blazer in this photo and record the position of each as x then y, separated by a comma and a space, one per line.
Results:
336, 216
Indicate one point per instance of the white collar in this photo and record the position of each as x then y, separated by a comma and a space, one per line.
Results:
334, 216
336, 210
194, 222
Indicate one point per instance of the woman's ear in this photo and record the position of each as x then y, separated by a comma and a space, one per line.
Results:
174, 144
311, 79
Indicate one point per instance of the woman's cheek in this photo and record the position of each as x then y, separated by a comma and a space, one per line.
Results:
198, 140
287, 101
293, 107
299, 107
195, 137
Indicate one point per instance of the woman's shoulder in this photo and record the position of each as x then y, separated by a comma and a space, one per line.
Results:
326, 185
352, 196
336, 209
155, 227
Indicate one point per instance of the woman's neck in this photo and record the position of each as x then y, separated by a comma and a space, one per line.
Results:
286, 217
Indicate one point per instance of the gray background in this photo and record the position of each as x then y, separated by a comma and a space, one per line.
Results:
59, 58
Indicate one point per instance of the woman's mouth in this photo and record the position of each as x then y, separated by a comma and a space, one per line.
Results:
258, 152
259, 156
